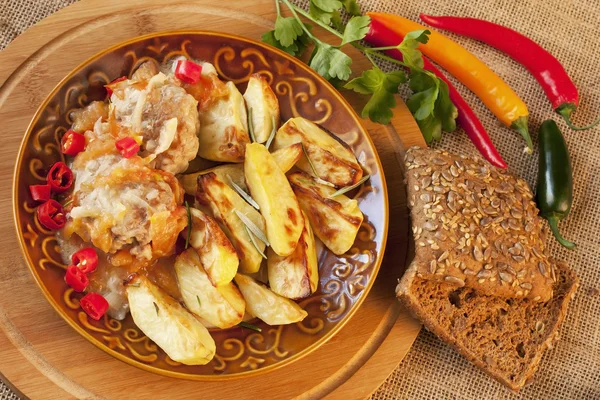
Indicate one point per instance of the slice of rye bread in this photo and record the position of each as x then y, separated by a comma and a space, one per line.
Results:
504, 337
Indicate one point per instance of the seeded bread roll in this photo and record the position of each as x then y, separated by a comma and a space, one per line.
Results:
506, 338
476, 225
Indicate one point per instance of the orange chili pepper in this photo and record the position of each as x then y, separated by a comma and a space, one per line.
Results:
471, 71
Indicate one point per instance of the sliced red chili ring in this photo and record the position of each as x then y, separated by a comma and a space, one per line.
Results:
94, 305
188, 71
40, 192
85, 259
72, 143
109, 90
51, 215
127, 146
76, 278
60, 177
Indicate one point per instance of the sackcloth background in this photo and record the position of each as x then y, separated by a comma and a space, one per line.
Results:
569, 29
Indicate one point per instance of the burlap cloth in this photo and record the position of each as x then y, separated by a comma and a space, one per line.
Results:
571, 31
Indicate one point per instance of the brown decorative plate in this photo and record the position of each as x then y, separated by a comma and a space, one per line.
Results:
344, 280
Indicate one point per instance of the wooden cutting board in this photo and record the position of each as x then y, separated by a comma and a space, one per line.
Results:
43, 358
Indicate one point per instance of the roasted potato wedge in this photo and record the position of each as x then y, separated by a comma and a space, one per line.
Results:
224, 128
265, 107
278, 204
335, 221
295, 276
333, 159
217, 255
262, 303
286, 158
222, 306
174, 329
220, 201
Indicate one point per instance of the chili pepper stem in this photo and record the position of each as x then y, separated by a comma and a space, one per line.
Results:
553, 222
565, 110
520, 125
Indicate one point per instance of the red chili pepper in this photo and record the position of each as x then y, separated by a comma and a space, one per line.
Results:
551, 75
380, 35
127, 146
76, 278
60, 177
109, 91
188, 71
85, 259
94, 305
40, 192
72, 143
51, 215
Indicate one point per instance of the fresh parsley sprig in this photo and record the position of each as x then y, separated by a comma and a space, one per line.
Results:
429, 103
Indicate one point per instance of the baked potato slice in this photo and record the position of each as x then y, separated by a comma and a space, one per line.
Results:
224, 128
270, 307
220, 201
222, 306
333, 159
285, 157
217, 255
174, 329
295, 276
334, 220
279, 207
264, 105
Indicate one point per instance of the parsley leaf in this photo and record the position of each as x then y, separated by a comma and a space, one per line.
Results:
327, 5
409, 48
330, 62
431, 106
382, 86
356, 29
287, 30
352, 7
269, 38
296, 48
336, 21
318, 14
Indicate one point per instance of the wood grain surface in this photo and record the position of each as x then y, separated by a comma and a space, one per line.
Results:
43, 358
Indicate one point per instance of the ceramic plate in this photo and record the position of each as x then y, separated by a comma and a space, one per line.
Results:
344, 280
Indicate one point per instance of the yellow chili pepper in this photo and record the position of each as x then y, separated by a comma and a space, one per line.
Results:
471, 71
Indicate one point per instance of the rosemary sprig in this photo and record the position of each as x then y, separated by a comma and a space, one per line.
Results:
252, 227
199, 303
349, 188
250, 126
156, 307
244, 324
254, 243
314, 170
242, 193
272, 135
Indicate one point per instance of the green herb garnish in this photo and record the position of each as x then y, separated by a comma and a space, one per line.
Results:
250, 126
349, 188
272, 135
156, 307
242, 193
254, 243
189, 232
252, 227
249, 326
314, 170
429, 103
198, 298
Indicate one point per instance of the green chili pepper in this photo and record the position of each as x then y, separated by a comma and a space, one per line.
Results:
555, 179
